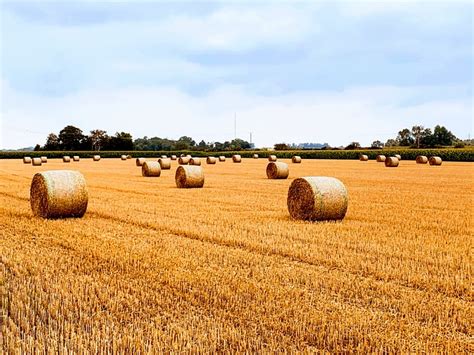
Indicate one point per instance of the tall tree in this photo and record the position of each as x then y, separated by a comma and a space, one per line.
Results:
70, 138
121, 141
377, 144
417, 132
404, 137
52, 142
442, 136
98, 139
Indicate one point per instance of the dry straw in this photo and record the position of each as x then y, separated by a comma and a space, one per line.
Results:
44, 159
129, 156
140, 161
151, 169
76, 158
173, 157
435, 160
421, 159
189, 176
164, 156
195, 161
221, 158
58, 194
398, 156
363, 157
380, 158
123, 157
277, 170
211, 160
96, 158
272, 158
317, 198
184, 160
255, 156
66, 159
236, 158
296, 159
36, 161
165, 163
391, 162
26, 160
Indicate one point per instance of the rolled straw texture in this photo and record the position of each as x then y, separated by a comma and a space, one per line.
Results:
165, 163
236, 158
26, 160
421, 159
151, 169
36, 161
272, 158
189, 176
211, 160
195, 161
140, 161
296, 159
277, 170
435, 161
363, 157
391, 162
380, 158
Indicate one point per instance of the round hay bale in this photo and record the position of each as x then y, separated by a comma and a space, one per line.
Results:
140, 161
44, 160
96, 158
391, 162
221, 158
189, 176
76, 158
277, 170
363, 157
184, 160
255, 156
380, 158
421, 159
272, 158
296, 159
164, 156
317, 198
435, 160
182, 155
66, 159
195, 161
398, 156
36, 161
123, 157
151, 169
26, 160
173, 157
165, 163
236, 158
211, 160
129, 156
58, 194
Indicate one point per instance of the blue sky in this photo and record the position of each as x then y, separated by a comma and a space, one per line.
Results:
291, 71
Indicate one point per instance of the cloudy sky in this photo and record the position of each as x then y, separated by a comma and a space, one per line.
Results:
331, 72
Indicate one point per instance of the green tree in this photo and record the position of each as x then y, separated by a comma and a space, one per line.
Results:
121, 141
353, 145
377, 144
70, 138
281, 146
442, 136
98, 139
417, 132
405, 138
52, 142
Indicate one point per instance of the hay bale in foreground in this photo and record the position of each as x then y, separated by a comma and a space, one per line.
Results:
435, 160
140, 161
151, 169
44, 159
236, 158
36, 161
211, 160
173, 157
123, 157
296, 159
398, 156
165, 163
66, 159
255, 156
317, 198
380, 158
391, 162
58, 194
76, 158
189, 176
363, 157
277, 170
26, 160
184, 160
96, 158
272, 158
421, 159
195, 161
221, 158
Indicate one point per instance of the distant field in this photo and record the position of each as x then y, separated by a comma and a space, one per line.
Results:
224, 268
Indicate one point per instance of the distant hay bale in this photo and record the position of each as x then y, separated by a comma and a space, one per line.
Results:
317, 198
398, 156
151, 169
26, 160
123, 157
221, 158
66, 159
435, 160
211, 160
421, 159
296, 159
195, 161
129, 156
44, 159
173, 157
277, 170
363, 157
182, 155
36, 161
165, 163
391, 162
272, 158
380, 158
236, 158
96, 158
184, 160
255, 156
164, 156
189, 176
140, 161
76, 158
58, 194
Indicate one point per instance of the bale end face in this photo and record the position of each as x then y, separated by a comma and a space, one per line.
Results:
151, 169
189, 176
317, 199
277, 170
58, 194
391, 162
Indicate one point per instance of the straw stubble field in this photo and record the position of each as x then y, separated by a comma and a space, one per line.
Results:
153, 267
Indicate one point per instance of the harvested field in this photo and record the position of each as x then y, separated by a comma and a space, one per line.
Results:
151, 267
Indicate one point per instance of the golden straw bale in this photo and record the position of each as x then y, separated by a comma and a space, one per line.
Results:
363, 157
36, 161
380, 158
44, 159
296, 159
123, 157
164, 156
435, 161
140, 161
76, 158
272, 158
195, 161
184, 160
96, 158
277, 170
255, 156
151, 169
221, 158
173, 157
398, 156
189, 176
165, 163
129, 156
66, 159
391, 162
236, 158
26, 160
211, 160
421, 159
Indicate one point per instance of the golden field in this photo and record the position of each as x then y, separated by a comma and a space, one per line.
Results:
154, 268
